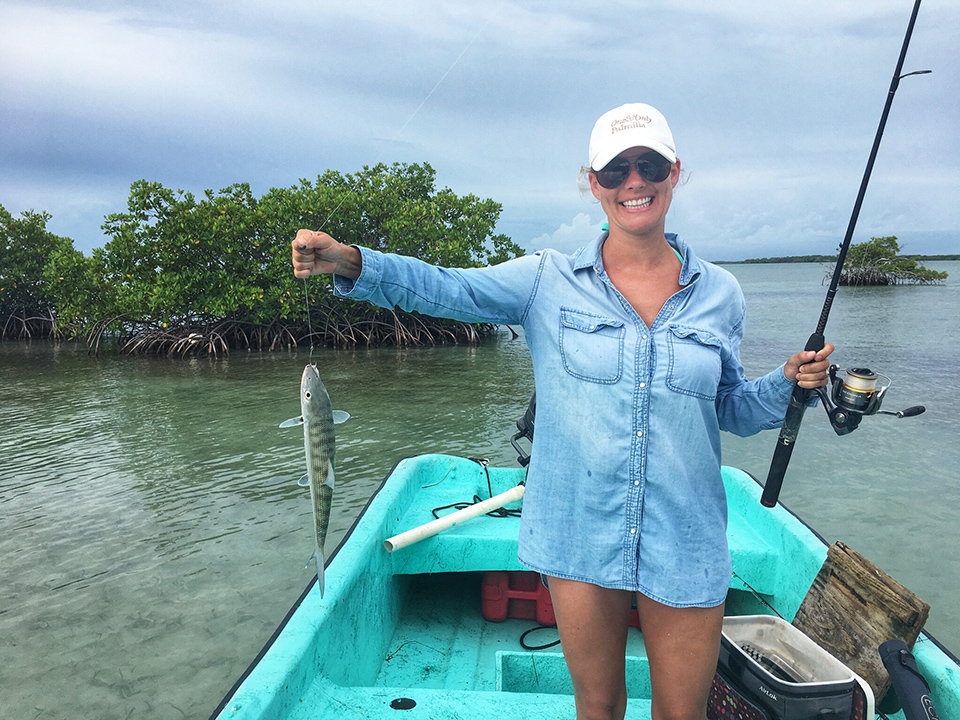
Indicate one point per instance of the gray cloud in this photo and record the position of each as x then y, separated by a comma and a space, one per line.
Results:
773, 108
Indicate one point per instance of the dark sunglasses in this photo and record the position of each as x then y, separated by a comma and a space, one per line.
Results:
652, 167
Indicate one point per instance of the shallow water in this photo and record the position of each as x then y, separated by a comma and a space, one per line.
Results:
154, 535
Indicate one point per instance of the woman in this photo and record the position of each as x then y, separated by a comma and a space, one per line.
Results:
635, 348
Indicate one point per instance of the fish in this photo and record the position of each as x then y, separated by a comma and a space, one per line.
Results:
318, 417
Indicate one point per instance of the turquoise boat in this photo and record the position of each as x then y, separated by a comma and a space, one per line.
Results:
402, 634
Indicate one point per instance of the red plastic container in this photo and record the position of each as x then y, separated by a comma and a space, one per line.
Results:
515, 594
520, 594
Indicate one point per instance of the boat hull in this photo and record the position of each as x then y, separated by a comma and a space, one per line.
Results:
402, 628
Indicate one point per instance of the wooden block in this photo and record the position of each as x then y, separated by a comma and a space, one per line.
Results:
852, 607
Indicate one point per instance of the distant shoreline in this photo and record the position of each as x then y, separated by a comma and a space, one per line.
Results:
823, 259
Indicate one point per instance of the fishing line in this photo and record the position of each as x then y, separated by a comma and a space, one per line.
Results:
403, 127
306, 296
389, 143
757, 595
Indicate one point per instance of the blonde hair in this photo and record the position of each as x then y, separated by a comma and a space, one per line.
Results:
583, 180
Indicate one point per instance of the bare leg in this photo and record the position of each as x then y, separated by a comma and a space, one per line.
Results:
682, 645
593, 622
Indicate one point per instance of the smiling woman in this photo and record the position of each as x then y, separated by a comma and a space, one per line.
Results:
635, 189
635, 335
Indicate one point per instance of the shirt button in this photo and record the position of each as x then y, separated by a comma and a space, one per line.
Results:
636, 482
639, 433
645, 337
633, 531
643, 384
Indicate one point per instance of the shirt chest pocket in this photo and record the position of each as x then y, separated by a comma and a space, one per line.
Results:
695, 364
591, 346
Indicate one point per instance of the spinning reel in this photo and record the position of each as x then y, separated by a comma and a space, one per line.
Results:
857, 395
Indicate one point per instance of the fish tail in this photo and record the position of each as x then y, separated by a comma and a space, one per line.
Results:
317, 557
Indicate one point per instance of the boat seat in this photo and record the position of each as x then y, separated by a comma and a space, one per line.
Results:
490, 543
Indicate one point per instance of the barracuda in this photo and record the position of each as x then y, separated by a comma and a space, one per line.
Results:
318, 418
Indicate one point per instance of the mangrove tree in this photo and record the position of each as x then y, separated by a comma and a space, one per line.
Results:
878, 262
181, 274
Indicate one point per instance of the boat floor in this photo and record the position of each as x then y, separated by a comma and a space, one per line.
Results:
443, 641
453, 663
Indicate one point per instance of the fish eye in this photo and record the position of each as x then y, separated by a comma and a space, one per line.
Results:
307, 394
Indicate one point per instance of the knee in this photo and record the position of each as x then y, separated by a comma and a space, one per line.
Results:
597, 707
680, 712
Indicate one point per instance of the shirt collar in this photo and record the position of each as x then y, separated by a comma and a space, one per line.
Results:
590, 256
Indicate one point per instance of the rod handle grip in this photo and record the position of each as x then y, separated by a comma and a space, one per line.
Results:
778, 468
815, 342
788, 433
784, 448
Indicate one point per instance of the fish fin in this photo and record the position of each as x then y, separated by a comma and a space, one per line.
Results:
340, 416
292, 422
317, 557
331, 478
304, 481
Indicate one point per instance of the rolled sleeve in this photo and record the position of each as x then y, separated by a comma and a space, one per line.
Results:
758, 404
364, 286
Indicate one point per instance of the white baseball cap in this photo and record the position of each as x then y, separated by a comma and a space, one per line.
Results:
630, 125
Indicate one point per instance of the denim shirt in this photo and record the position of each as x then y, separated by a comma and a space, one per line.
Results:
623, 487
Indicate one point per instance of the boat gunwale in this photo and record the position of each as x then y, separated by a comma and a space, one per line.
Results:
303, 595
946, 651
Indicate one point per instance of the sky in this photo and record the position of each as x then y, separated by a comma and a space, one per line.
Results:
773, 105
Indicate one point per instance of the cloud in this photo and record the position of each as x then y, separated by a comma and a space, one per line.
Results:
89, 62
773, 107
567, 238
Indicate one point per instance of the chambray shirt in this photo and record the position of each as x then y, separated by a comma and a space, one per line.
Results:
624, 487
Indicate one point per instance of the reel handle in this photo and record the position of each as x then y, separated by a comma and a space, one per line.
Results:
909, 412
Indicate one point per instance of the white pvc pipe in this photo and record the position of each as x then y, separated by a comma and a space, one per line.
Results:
455, 518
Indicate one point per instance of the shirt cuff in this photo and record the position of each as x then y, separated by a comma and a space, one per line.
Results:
785, 387
782, 386
365, 285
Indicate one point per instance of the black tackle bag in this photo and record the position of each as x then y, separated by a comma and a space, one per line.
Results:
770, 670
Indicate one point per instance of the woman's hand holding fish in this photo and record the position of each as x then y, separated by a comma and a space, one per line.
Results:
315, 253
809, 368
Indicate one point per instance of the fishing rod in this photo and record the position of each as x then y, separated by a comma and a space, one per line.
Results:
857, 395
